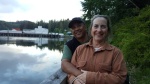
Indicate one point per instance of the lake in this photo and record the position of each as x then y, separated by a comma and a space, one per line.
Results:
29, 60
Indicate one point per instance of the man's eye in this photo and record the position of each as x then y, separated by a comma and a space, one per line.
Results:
79, 25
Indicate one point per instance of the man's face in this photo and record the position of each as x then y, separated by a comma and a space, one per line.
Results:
78, 30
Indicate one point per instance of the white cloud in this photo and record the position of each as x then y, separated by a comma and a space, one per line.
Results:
36, 10
9, 6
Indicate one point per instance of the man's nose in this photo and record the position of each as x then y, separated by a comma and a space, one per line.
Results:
76, 28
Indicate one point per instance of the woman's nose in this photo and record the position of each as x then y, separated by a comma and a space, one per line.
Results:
99, 29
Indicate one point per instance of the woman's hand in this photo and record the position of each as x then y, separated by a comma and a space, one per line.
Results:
75, 80
78, 81
82, 76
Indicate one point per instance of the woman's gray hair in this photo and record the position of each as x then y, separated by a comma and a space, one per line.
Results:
107, 19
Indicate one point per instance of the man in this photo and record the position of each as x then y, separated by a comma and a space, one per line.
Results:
80, 36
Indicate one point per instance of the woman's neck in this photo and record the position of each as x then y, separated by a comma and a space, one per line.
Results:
97, 44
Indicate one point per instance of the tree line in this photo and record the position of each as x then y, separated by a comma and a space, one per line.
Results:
116, 9
52, 26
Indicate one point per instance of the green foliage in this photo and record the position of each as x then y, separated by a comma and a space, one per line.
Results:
58, 26
139, 76
42, 23
136, 50
132, 35
52, 45
8, 25
116, 9
27, 25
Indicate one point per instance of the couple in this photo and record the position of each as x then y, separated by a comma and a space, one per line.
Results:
95, 61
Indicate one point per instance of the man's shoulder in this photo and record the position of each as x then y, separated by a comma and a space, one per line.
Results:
72, 41
69, 41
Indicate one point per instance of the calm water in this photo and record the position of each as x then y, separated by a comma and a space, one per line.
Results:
28, 60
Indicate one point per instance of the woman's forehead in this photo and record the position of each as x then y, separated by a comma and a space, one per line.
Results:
100, 20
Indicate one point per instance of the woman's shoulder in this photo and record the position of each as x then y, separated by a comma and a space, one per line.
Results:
82, 45
115, 48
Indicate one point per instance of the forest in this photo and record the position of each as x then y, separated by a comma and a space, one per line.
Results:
52, 25
130, 21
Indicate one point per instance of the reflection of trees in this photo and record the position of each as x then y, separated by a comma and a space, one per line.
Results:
18, 42
24, 43
54, 44
2, 42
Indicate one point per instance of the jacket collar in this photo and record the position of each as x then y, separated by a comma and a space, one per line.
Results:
106, 46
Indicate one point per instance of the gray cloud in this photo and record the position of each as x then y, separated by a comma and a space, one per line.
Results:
9, 6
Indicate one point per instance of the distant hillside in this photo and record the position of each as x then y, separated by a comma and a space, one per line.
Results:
53, 25
19, 24
8, 25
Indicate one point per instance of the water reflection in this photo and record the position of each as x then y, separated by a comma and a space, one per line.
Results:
28, 60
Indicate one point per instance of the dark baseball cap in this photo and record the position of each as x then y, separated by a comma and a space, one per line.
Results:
75, 20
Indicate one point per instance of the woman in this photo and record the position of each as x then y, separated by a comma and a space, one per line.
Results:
100, 62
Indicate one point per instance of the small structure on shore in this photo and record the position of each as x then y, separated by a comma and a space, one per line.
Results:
37, 32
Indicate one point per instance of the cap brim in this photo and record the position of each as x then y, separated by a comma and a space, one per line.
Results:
74, 21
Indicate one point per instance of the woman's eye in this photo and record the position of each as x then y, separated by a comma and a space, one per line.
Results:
103, 26
96, 26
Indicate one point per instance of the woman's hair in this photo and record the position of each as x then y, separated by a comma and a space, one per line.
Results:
108, 23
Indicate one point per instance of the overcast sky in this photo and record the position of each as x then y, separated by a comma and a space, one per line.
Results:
36, 10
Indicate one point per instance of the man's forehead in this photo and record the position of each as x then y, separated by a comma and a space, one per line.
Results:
77, 25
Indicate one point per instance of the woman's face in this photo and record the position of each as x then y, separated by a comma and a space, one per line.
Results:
99, 29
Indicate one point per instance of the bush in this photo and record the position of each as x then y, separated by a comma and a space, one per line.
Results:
132, 36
